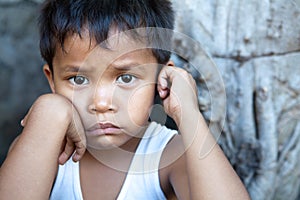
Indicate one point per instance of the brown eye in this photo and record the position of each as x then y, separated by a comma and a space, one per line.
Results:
79, 80
125, 79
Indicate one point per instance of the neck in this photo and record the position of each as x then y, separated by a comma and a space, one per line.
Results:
118, 158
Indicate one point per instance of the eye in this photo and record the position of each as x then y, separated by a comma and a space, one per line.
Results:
78, 80
126, 79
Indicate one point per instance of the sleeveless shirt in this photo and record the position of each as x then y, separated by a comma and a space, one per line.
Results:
142, 180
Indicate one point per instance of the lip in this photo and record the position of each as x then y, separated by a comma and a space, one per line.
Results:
106, 128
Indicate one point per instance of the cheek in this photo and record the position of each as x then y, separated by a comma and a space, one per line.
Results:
78, 98
140, 103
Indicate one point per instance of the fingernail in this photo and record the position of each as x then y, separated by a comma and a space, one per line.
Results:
22, 122
161, 93
164, 84
76, 157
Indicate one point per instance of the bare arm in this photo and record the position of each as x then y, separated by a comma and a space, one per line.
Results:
30, 168
210, 175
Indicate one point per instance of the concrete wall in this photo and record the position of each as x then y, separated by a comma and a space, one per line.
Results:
21, 77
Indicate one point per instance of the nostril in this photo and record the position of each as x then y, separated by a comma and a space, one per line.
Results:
101, 107
92, 108
102, 100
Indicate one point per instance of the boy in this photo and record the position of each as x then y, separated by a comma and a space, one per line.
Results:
103, 63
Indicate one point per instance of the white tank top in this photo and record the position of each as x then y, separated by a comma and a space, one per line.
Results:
142, 180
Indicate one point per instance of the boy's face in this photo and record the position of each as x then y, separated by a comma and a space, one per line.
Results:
112, 89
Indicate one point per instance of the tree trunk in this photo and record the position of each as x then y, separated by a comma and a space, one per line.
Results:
254, 45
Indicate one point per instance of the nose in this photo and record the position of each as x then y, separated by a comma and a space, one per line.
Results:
102, 100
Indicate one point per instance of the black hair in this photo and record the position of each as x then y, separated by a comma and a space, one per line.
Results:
60, 18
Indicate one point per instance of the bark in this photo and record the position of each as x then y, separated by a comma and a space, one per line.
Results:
255, 47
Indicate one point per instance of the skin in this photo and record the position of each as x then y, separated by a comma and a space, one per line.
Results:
92, 85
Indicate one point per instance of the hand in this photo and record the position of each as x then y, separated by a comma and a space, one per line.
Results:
68, 119
178, 90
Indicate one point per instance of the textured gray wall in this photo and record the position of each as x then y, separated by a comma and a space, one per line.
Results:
256, 47
21, 77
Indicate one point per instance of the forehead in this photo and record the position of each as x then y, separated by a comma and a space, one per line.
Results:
117, 48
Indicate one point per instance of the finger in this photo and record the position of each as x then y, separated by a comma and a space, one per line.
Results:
67, 153
80, 150
170, 74
165, 75
163, 93
165, 79
76, 134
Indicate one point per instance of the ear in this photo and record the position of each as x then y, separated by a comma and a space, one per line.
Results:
49, 75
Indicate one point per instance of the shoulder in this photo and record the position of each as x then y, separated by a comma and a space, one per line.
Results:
156, 138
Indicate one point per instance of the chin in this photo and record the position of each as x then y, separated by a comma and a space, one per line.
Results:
106, 142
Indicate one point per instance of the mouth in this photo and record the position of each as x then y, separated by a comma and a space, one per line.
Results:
103, 129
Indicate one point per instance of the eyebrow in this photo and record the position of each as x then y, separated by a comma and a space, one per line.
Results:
122, 66
75, 69
126, 66
71, 68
